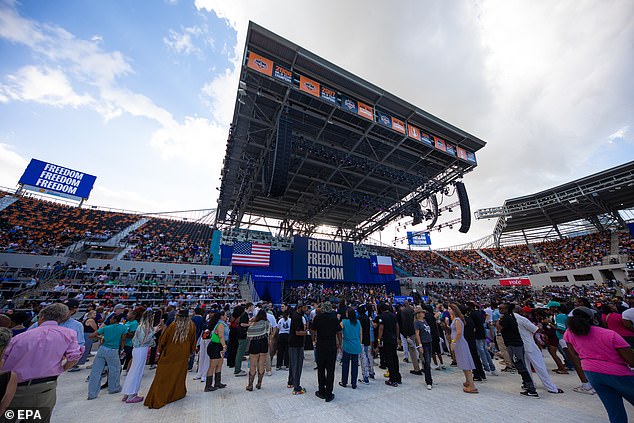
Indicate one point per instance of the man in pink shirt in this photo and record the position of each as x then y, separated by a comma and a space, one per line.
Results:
37, 357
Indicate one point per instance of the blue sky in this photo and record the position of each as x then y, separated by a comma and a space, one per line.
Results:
141, 93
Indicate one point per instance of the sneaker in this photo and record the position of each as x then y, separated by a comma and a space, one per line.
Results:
134, 400
558, 391
392, 384
429, 387
269, 373
494, 373
372, 376
582, 390
531, 394
416, 372
443, 367
300, 392
406, 360
242, 373
196, 377
153, 366
435, 367
364, 381
75, 369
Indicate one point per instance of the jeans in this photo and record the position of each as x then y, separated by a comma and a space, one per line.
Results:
326, 361
86, 354
242, 347
425, 358
517, 355
296, 360
611, 391
282, 350
345, 365
110, 357
367, 365
485, 357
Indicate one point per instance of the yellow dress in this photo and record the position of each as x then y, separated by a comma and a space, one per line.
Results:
169, 381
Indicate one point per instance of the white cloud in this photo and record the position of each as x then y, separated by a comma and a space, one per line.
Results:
46, 86
12, 165
184, 42
196, 141
620, 134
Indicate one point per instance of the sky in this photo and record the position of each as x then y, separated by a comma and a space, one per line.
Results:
141, 93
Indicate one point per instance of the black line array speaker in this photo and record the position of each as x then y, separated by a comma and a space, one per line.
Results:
465, 209
281, 159
434, 211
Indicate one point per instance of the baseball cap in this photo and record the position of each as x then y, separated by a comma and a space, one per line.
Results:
119, 307
553, 304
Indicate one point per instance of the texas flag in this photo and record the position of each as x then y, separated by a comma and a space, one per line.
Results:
381, 265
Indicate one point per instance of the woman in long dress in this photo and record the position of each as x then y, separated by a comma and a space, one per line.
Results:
142, 341
460, 348
175, 346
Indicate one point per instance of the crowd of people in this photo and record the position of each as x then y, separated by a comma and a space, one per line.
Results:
170, 241
482, 331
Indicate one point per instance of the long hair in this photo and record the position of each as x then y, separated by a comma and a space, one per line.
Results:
182, 329
457, 312
146, 326
261, 315
215, 317
580, 323
352, 316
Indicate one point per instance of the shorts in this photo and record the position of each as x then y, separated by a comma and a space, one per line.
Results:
213, 350
259, 346
563, 344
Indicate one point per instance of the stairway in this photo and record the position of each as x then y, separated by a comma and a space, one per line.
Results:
614, 243
6, 201
500, 270
540, 260
114, 240
454, 263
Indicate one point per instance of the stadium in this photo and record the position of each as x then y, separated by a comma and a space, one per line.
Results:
317, 163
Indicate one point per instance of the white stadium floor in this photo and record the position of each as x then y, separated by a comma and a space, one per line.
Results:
498, 401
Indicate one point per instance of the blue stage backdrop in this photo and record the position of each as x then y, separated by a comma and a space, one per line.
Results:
268, 281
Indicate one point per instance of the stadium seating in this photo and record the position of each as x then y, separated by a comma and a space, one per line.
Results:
517, 259
570, 253
170, 241
35, 226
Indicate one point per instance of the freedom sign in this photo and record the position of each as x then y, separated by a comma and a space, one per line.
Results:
52, 179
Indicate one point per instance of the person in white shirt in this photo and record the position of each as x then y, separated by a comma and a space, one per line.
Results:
533, 355
628, 315
283, 331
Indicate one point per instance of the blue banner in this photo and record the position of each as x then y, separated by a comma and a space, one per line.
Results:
323, 260
418, 238
51, 179
267, 277
349, 104
384, 119
400, 299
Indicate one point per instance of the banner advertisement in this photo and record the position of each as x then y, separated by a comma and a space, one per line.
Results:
260, 64
308, 85
471, 157
349, 104
462, 153
52, 179
400, 299
451, 149
515, 282
366, 111
426, 139
328, 95
440, 144
323, 260
413, 132
384, 119
398, 125
283, 74
418, 238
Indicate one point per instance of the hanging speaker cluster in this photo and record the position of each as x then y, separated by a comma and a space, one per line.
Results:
280, 160
465, 209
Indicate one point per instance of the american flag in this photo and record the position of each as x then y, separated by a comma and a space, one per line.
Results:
248, 254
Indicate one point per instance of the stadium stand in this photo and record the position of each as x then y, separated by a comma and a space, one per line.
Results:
35, 226
575, 252
517, 259
170, 241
